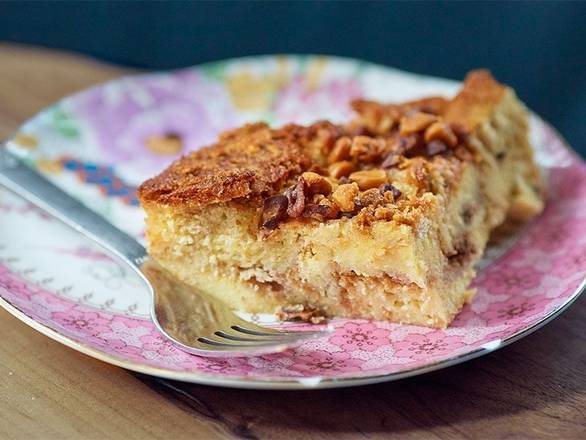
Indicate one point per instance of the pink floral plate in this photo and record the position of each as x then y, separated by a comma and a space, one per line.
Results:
97, 146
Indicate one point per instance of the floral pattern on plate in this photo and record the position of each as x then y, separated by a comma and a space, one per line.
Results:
96, 146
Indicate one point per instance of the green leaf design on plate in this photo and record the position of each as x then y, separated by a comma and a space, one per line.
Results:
361, 67
64, 124
214, 70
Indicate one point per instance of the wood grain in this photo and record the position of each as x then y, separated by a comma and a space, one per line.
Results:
535, 388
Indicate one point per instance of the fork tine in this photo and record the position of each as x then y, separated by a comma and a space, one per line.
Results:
231, 337
266, 339
248, 342
280, 333
218, 344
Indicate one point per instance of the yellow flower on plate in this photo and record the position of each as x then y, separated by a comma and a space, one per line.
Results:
26, 141
168, 144
252, 92
49, 166
315, 71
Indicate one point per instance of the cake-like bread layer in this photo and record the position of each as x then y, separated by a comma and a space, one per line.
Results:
381, 218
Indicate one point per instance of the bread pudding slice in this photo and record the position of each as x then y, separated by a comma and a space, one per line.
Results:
380, 218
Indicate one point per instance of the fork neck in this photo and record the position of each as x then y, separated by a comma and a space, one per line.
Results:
38, 190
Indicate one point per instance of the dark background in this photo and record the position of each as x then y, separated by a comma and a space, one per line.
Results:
537, 47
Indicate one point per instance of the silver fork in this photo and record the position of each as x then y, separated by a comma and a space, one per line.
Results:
193, 321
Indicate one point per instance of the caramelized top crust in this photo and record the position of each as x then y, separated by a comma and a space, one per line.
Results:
249, 161
475, 102
386, 145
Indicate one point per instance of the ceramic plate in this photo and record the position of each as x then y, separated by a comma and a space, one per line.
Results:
95, 146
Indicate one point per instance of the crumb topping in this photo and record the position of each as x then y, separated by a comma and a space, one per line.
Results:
361, 174
301, 313
379, 166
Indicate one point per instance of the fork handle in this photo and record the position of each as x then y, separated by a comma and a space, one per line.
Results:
32, 186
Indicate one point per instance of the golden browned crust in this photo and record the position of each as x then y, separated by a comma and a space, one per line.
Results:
477, 99
255, 162
249, 161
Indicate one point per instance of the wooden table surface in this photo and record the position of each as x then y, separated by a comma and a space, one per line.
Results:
535, 388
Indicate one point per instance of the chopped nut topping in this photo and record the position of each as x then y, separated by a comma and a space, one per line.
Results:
460, 132
348, 176
315, 199
387, 187
370, 197
325, 210
392, 159
463, 153
318, 170
369, 178
383, 213
440, 131
416, 122
275, 209
366, 149
339, 169
296, 199
325, 138
356, 129
385, 124
420, 174
378, 119
316, 184
341, 150
435, 147
326, 171
344, 196
408, 146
